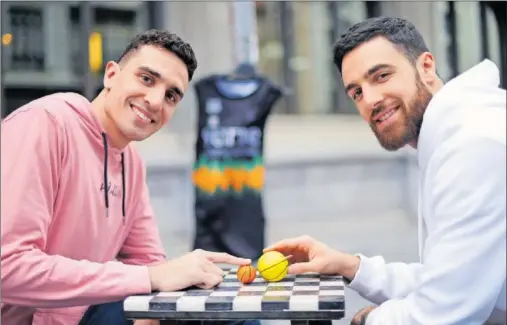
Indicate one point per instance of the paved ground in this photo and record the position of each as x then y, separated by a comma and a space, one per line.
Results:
389, 234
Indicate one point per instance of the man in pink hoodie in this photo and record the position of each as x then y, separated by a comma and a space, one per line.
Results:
77, 228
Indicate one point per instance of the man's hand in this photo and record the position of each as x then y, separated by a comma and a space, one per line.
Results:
196, 268
360, 317
310, 255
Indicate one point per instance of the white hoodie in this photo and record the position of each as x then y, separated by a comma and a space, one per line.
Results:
462, 215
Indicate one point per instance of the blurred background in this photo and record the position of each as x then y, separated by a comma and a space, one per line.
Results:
326, 174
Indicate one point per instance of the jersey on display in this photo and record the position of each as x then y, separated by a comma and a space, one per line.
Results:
228, 173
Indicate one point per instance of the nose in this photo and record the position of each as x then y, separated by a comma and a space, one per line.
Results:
372, 97
155, 98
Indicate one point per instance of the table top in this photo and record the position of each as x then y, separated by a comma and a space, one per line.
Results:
304, 296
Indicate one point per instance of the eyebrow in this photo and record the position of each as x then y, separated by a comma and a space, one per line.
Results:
368, 73
157, 75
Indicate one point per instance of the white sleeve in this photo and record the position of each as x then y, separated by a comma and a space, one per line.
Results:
464, 266
378, 281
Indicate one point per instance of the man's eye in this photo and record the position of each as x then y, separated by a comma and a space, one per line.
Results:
171, 97
146, 79
383, 76
356, 93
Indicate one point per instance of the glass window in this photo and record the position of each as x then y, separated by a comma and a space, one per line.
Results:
493, 37
27, 47
443, 45
474, 34
117, 26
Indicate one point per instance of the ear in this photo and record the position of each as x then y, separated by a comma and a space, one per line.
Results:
111, 72
427, 68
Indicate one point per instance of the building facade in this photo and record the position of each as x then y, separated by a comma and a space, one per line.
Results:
294, 43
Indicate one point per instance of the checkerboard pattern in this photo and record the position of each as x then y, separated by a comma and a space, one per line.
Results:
300, 293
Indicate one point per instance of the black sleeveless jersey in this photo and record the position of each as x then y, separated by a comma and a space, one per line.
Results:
228, 174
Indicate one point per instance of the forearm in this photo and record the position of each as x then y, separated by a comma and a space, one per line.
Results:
149, 259
32, 278
378, 281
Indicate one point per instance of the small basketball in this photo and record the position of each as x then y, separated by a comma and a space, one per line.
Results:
246, 274
273, 266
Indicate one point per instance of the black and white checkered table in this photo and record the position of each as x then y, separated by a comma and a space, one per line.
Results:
297, 298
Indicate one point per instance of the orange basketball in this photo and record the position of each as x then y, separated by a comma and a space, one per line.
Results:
246, 274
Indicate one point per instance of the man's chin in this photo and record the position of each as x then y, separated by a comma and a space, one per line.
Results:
390, 140
140, 137
137, 135
391, 147
391, 143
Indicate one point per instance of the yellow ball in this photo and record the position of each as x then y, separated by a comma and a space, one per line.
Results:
273, 266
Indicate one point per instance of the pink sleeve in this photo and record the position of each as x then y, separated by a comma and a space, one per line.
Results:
143, 245
32, 145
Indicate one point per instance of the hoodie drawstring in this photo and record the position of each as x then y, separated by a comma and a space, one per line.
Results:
106, 188
106, 183
124, 187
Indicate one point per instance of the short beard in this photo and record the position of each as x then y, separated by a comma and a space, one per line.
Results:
412, 120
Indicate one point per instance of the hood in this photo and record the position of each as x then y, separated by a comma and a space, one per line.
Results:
472, 86
476, 88
100, 140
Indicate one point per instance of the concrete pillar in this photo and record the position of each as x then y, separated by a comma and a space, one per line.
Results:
207, 27
301, 60
246, 44
57, 27
312, 60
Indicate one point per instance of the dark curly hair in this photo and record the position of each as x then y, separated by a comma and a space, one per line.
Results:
168, 41
398, 31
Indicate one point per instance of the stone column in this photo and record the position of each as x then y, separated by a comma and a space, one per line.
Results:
57, 44
207, 27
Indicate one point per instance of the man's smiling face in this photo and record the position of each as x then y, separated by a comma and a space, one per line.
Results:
143, 91
387, 90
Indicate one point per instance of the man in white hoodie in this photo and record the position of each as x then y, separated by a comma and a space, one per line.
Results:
459, 131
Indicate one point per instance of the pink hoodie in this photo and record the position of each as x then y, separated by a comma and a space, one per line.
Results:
66, 244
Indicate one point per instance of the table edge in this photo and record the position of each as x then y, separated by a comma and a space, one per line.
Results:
220, 315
